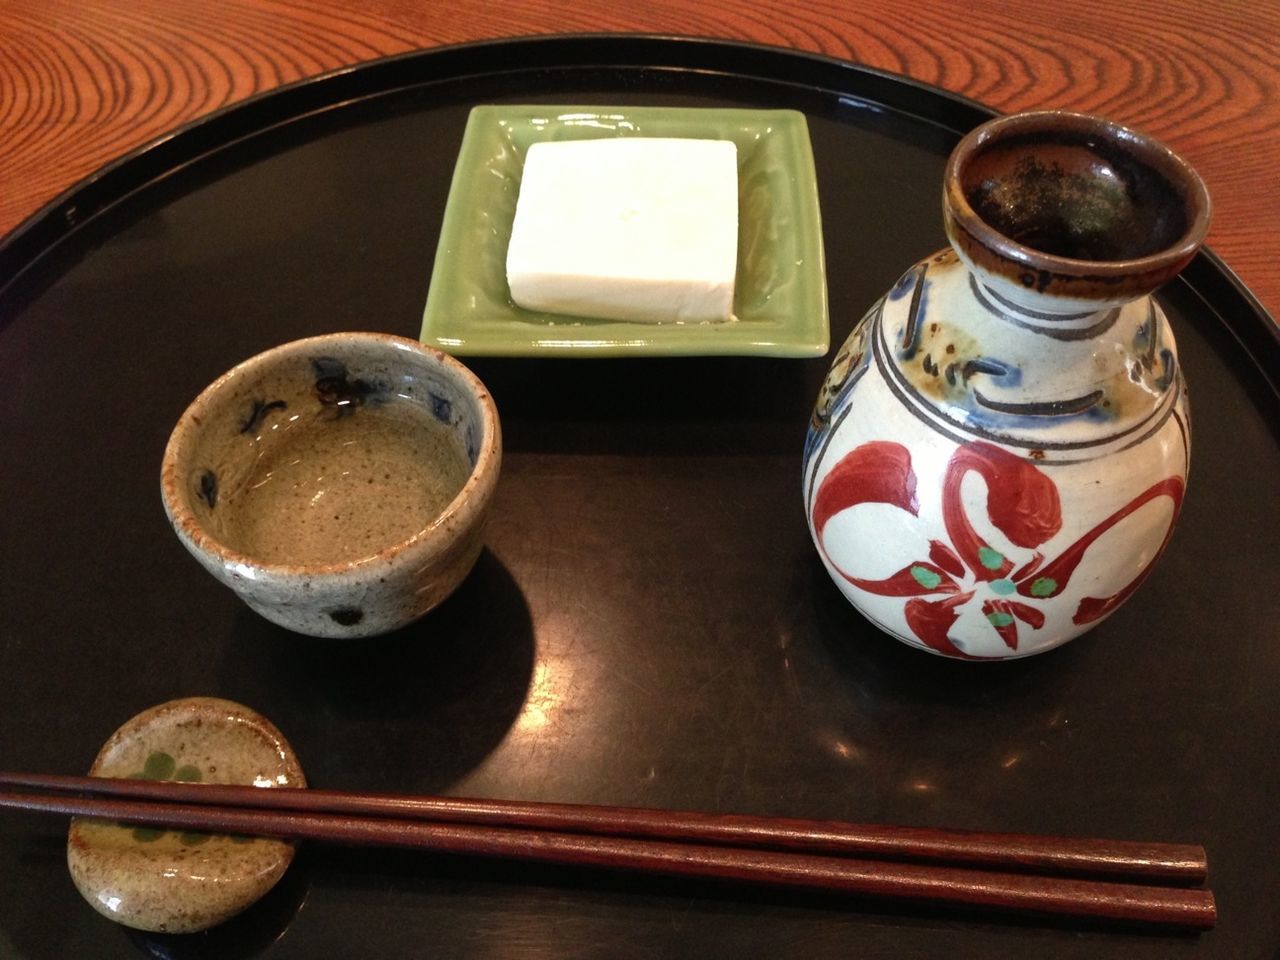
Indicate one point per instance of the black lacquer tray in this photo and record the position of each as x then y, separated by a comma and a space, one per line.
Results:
650, 624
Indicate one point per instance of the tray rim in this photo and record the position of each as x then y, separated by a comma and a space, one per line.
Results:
23, 247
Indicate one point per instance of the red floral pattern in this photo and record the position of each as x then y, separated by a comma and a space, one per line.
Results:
1022, 503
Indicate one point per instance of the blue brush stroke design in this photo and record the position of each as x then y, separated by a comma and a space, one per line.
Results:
1170, 370
916, 313
259, 411
473, 448
441, 408
996, 421
208, 488
818, 430
1003, 373
904, 284
335, 387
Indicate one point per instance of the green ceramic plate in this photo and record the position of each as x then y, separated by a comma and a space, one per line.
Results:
780, 301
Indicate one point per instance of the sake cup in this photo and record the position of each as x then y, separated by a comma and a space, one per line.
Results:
338, 484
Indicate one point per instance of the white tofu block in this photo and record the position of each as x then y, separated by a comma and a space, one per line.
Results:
628, 228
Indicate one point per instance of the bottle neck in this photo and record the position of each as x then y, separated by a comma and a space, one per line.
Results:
995, 368
1024, 305
1079, 324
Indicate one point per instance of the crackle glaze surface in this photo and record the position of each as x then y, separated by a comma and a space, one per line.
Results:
982, 483
183, 881
338, 484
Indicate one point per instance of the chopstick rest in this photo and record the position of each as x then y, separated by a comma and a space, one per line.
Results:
156, 876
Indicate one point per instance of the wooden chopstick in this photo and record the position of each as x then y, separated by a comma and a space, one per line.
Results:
1166, 863
1022, 893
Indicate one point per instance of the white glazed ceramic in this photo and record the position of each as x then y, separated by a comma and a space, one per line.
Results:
181, 881
356, 548
1001, 447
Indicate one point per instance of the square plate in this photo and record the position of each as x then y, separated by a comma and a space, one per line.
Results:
780, 299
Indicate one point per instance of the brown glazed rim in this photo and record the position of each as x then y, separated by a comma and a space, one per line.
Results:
1156, 268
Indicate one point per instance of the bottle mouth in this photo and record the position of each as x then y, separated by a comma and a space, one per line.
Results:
1069, 204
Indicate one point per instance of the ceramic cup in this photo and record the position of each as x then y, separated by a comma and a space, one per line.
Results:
338, 484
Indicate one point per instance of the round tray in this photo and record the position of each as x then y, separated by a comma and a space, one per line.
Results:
650, 624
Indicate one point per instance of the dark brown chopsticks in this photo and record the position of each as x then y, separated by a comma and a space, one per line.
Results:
1012, 872
1174, 864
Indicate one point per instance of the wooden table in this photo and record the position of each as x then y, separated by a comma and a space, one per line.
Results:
83, 82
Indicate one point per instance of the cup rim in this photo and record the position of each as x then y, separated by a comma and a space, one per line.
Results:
466, 503
1164, 263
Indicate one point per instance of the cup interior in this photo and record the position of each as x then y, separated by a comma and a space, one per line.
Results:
330, 450
1076, 195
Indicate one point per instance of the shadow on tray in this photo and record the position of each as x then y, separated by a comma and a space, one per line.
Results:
412, 711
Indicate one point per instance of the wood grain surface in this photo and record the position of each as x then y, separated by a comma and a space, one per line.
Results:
82, 82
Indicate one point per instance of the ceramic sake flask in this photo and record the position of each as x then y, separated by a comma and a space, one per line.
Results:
1000, 450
